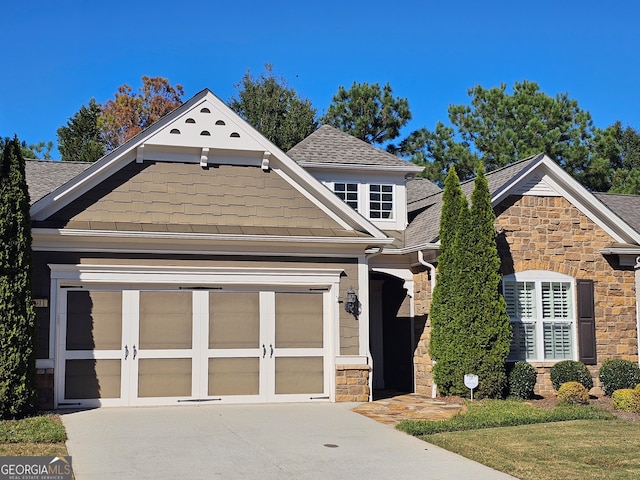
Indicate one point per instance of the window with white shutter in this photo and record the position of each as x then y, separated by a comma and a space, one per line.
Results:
540, 305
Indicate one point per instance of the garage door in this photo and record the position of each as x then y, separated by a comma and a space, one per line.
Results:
152, 347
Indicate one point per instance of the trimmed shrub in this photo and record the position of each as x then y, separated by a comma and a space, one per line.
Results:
573, 393
637, 388
522, 380
571, 371
626, 399
618, 374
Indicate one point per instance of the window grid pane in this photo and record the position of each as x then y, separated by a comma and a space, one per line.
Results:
348, 193
521, 299
555, 300
523, 343
557, 341
381, 201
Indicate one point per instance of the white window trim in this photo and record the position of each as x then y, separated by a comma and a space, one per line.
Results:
363, 198
538, 277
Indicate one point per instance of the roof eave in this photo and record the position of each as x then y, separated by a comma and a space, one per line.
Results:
356, 166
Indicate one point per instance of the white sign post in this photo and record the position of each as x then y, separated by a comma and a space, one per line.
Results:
471, 382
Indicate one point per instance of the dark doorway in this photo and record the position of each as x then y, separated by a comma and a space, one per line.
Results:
391, 338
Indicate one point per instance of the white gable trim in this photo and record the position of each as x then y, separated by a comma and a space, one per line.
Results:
72, 240
145, 145
556, 179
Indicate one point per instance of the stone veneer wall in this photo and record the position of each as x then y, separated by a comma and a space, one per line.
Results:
422, 325
548, 233
44, 387
352, 383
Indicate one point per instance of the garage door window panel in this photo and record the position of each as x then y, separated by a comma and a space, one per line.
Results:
166, 320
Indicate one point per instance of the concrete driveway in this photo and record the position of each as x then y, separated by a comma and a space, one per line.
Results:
263, 442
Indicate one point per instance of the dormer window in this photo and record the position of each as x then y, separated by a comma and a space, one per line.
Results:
381, 201
348, 192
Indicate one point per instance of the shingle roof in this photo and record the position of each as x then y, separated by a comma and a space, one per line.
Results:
331, 146
44, 176
627, 207
424, 228
420, 188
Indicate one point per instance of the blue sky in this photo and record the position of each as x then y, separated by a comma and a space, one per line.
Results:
58, 55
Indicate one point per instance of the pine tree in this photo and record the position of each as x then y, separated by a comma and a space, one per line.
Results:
80, 140
17, 315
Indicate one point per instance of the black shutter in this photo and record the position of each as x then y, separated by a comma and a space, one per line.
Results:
586, 323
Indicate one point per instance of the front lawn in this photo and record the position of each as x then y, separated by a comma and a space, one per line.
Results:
574, 450
529, 442
43, 435
502, 413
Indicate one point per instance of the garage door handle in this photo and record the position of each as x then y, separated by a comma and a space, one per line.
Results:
135, 352
264, 351
271, 347
126, 352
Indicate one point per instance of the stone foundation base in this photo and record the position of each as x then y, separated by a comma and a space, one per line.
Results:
352, 383
44, 385
544, 387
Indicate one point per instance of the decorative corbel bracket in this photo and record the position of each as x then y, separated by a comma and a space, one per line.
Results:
140, 154
204, 157
265, 161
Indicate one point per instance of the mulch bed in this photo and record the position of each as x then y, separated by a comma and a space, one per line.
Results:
602, 402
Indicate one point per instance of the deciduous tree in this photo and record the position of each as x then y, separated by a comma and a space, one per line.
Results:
274, 109
128, 113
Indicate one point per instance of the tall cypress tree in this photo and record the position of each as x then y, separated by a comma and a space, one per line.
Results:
489, 322
470, 329
447, 306
17, 314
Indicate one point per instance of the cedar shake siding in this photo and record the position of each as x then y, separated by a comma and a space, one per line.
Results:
177, 197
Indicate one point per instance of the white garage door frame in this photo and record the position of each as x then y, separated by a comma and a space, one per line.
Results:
131, 278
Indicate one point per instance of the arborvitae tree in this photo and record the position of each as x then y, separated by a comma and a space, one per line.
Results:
487, 310
470, 329
17, 315
447, 321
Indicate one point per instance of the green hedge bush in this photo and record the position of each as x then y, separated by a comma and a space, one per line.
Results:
522, 380
573, 393
571, 371
626, 399
618, 374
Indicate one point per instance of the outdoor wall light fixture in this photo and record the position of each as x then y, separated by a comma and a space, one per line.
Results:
351, 304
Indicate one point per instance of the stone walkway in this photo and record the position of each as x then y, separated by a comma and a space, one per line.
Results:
413, 406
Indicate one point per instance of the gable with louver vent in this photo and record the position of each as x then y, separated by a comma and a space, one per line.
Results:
537, 185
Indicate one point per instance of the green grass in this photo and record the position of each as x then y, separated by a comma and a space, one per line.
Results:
503, 413
566, 443
40, 435
572, 450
